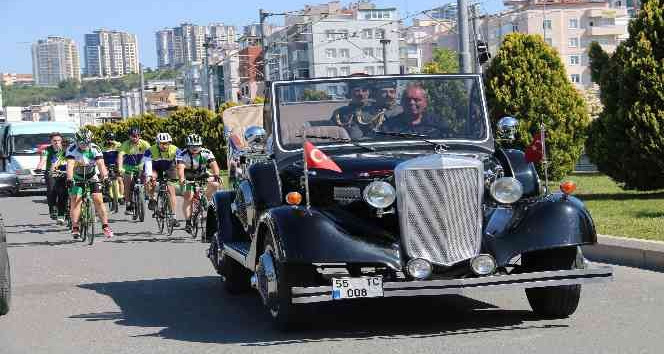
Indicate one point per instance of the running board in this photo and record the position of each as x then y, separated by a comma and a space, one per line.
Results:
239, 251
302, 295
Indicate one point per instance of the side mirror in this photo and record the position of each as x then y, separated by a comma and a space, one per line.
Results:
255, 138
507, 128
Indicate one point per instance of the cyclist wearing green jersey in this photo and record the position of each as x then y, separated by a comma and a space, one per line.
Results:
130, 161
53, 158
85, 163
111, 149
159, 162
192, 162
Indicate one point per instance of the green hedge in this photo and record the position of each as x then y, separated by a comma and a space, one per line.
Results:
179, 124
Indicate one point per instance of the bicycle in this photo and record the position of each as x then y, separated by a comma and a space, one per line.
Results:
137, 196
199, 206
163, 212
112, 193
87, 217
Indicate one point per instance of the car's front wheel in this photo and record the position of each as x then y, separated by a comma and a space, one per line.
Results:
554, 301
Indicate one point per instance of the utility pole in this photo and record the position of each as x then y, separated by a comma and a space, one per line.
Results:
207, 45
464, 54
476, 37
385, 42
262, 15
142, 89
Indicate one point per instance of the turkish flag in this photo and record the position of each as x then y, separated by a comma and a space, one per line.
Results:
317, 159
535, 152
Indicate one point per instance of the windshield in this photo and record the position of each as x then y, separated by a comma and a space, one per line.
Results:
363, 110
28, 144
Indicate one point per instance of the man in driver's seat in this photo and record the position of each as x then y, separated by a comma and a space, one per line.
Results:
416, 117
360, 117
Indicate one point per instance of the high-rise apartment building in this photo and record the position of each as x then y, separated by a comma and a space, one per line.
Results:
111, 53
569, 26
182, 45
55, 59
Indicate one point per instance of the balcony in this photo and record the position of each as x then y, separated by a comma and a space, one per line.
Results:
606, 13
617, 30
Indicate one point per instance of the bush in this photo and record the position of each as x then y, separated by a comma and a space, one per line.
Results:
528, 81
626, 141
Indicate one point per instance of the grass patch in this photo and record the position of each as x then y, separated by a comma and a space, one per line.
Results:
619, 212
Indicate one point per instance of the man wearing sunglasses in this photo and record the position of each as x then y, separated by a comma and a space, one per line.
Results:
130, 161
192, 162
159, 163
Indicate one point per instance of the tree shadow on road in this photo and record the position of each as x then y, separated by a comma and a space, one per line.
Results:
196, 309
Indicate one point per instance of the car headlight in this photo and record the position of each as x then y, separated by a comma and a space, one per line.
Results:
379, 194
506, 190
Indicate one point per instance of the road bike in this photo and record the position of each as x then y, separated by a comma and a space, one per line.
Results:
137, 196
199, 206
87, 217
163, 213
112, 193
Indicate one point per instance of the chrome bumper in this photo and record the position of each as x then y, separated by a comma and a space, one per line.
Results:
303, 295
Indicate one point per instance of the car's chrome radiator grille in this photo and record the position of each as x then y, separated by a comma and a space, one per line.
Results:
440, 213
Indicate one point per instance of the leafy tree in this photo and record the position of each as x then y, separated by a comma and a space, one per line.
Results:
444, 61
527, 80
598, 60
315, 95
626, 141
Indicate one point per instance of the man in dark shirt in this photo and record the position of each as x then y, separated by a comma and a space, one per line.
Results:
416, 118
358, 118
386, 98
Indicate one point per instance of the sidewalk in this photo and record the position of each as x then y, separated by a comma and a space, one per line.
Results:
627, 251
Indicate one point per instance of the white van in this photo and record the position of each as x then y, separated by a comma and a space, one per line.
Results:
19, 149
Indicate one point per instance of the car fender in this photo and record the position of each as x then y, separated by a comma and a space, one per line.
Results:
515, 165
226, 230
551, 222
308, 236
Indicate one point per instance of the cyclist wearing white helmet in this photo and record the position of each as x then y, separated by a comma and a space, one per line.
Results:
85, 163
192, 162
159, 163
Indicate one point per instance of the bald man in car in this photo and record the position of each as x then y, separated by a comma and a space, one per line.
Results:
416, 117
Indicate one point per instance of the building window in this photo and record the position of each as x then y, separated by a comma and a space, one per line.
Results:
380, 33
573, 23
331, 72
367, 33
379, 53
369, 70
546, 24
331, 53
344, 70
381, 70
344, 53
515, 28
573, 42
575, 78
549, 41
574, 60
367, 52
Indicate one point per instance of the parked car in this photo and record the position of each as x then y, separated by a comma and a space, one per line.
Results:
8, 182
414, 198
5, 276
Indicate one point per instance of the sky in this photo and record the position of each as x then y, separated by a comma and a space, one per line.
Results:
25, 21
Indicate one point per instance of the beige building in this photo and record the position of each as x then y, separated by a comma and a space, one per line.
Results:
111, 53
55, 59
9, 79
567, 25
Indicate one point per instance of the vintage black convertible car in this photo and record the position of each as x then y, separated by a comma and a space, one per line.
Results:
423, 204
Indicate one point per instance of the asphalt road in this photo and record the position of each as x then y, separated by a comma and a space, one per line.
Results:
145, 293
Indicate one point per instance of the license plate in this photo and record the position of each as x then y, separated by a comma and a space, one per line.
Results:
355, 288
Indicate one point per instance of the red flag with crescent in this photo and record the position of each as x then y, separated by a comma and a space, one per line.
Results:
317, 159
535, 152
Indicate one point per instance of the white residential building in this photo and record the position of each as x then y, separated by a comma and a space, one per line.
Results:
55, 59
185, 44
425, 35
567, 25
327, 40
111, 53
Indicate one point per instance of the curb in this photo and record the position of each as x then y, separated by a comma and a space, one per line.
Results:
630, 252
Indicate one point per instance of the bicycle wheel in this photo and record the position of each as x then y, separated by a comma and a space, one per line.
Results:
90, 222
169, 215
115, 191
159, 213
82, 221
141, 204
202, 219
195, 214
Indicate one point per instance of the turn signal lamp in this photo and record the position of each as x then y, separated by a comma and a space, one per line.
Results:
567, 187
294, 198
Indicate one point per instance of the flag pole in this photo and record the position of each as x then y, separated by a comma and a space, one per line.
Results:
306, 168
545, 162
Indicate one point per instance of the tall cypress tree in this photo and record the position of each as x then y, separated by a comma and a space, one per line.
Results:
627, 140
528, 80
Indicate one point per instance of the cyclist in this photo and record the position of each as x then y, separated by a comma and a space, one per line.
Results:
130, 160
110, 149
159, 162
192, 162
85, 162
53, 158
